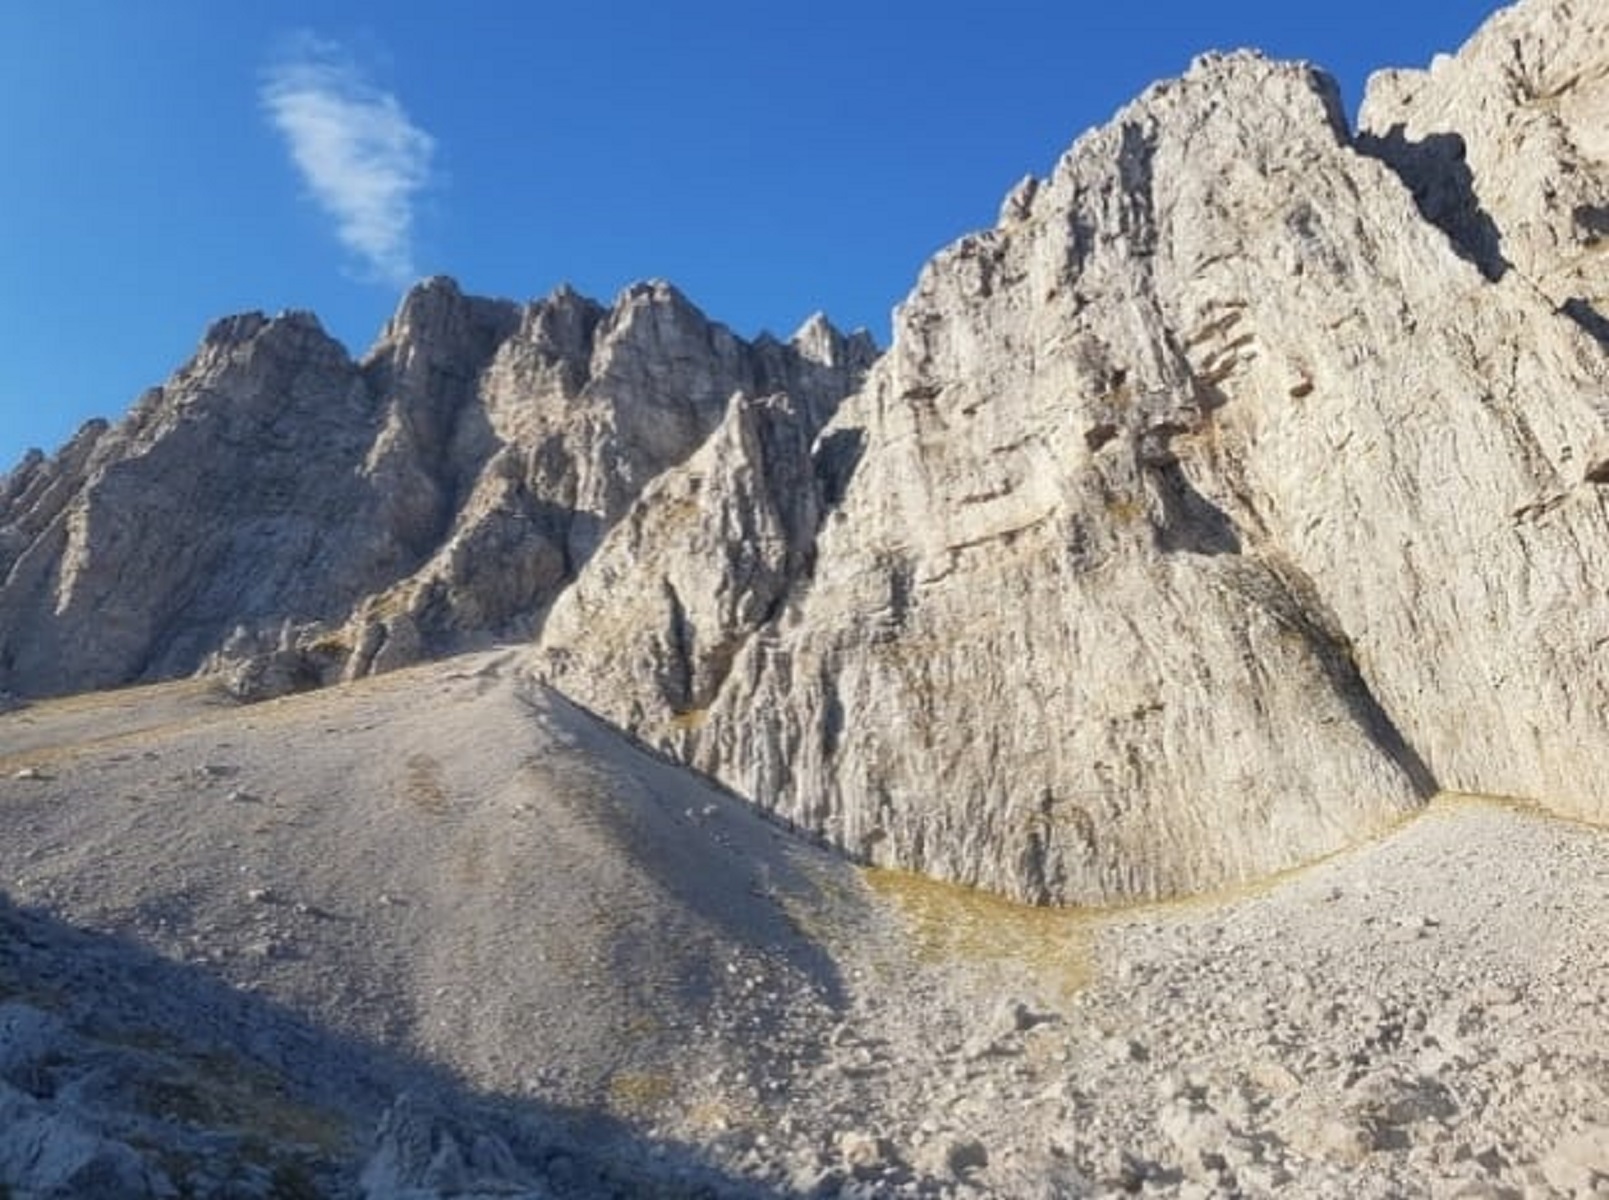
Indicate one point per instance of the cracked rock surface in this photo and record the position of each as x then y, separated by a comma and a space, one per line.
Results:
1207, 514
473, 456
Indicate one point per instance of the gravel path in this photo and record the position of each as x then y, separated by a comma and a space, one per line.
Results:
542, 962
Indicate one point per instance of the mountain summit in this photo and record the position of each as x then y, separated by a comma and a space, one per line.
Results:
291, 517
1241, 488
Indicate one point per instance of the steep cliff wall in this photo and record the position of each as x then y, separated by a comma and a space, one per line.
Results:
1205, 514
289, 516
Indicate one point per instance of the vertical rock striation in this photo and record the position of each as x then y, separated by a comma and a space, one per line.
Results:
287, 516
1506, 147
1206, 513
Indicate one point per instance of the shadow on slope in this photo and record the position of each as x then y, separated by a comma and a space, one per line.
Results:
450, 884
645, 803
121, 1069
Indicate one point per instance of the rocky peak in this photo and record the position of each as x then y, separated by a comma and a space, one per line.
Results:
235, 339
293, 331
652, 311
426, 362
476, 456
561, 329
820, 342
1505, 148
655, 341
424, 370
233, 330
435, 313
1159, 533
585, 408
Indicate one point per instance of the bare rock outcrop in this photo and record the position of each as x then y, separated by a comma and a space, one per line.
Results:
580, 409
140, 546
286, 516
1206, 514
703, 561
1506, 146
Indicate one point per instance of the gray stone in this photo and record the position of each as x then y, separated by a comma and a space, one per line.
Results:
50, 1154
1579, 1161
476, 455
1205, 516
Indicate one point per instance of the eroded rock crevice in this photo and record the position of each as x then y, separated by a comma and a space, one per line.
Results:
1435, 169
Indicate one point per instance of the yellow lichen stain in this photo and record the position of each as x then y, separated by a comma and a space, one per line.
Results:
951, 923
1125, 510
689, 718
1448, 803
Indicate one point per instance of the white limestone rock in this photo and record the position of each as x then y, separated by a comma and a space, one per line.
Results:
141, 546
1205, 515
1506, 145
1041, 649
704, 559
284, 516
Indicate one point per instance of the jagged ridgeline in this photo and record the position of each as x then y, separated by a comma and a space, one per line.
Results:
1240, 488
285, 517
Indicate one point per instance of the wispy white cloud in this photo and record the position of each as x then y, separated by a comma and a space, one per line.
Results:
361, 157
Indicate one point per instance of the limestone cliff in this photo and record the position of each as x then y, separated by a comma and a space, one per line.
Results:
1243, 485
288, 516
1506, 147
1205, 514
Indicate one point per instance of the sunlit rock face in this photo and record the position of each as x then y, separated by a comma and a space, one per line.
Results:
1241, 487
289, 516
1206, 513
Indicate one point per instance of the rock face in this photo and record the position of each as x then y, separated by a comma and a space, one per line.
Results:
1240, 488
1206, 514
1506, 147
703, 560
291, 516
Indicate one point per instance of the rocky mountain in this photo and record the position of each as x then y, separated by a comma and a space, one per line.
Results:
1227, 498
288, 516
1240, 489
1243, 487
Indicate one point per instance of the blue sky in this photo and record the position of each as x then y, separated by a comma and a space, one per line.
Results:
166, 163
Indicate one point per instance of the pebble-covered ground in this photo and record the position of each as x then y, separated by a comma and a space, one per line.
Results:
440, 935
